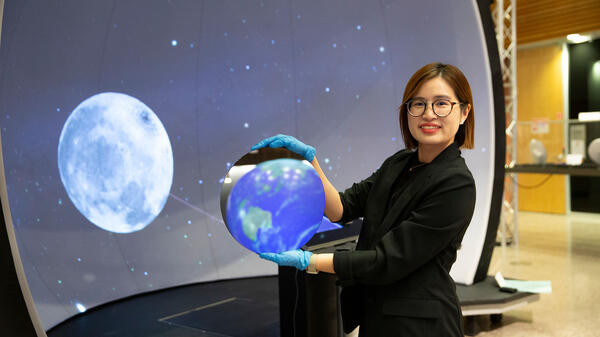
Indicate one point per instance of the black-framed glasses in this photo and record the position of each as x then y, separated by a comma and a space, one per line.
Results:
441, 107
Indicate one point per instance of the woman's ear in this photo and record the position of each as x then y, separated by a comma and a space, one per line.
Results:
465, 113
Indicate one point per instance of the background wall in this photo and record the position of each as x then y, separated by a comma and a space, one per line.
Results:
541, 27
540, 99
220, 75
584, 95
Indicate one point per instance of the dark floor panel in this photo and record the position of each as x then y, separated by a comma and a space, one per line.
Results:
140, 316
232, 317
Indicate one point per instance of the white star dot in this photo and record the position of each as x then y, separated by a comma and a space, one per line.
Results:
80, 307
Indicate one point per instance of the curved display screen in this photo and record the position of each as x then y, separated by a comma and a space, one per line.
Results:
120, 119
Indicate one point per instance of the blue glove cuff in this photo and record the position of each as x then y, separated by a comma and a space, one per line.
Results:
305, 260
309, 153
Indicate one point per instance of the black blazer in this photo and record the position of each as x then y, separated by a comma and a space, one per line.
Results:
397, 282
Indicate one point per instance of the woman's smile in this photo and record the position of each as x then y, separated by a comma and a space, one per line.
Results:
429, 128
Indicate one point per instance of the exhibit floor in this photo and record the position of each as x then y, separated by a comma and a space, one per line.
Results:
564, 250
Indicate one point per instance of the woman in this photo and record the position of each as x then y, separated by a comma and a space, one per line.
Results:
416, 208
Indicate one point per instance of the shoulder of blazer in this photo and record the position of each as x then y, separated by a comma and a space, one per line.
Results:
450, 166
402, 154
398, 156
454, 171
392, 165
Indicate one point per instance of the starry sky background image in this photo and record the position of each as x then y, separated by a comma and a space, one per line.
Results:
220, 75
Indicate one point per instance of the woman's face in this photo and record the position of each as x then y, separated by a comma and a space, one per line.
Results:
431, 131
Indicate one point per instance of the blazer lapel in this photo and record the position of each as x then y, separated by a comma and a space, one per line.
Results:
413, 187
388, 180
400, 205
383, 191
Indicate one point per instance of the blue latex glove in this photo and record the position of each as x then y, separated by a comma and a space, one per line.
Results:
292, 258
290, 143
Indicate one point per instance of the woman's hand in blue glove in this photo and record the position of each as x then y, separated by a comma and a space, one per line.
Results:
290, 143
292, 258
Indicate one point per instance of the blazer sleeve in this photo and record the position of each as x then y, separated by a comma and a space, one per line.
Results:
443, 214
354, 199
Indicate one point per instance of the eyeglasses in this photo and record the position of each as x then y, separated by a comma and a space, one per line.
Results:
440, 107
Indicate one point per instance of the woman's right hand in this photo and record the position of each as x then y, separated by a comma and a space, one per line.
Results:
290, 143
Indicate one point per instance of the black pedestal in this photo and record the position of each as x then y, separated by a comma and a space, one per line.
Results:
308, 304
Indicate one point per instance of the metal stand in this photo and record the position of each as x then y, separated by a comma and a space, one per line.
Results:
504, 14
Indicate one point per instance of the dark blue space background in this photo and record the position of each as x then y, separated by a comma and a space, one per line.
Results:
220, 75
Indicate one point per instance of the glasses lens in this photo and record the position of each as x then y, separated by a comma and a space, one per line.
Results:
416, 107
442, 107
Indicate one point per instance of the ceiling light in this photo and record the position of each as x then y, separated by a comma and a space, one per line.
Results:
577, 38
589, 116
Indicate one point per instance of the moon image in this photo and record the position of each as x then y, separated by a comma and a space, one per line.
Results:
116, 162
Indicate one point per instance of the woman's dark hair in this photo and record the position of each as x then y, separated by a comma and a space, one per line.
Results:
457, 81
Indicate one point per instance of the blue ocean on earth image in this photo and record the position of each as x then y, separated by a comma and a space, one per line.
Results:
277, 206
116, 162
327, 225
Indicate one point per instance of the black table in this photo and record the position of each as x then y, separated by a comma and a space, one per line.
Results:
587, 170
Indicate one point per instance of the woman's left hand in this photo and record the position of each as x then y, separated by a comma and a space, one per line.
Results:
290, 143
292, 258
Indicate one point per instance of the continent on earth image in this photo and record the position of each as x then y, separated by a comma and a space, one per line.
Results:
256, 219
277, 206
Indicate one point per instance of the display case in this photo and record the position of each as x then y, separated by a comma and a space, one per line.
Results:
557, 146
563, 159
